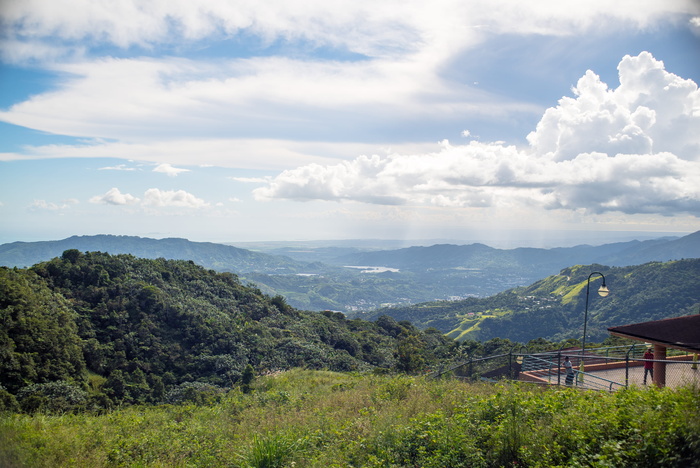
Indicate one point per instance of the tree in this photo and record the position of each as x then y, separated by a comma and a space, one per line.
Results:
39, 340
247, 378
410, 354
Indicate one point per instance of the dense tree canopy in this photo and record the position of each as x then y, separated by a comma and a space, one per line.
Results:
135, 328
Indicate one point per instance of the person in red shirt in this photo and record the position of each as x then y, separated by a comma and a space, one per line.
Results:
648, 365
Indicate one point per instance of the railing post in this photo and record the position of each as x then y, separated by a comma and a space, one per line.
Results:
510, 364
627, 364
559, 368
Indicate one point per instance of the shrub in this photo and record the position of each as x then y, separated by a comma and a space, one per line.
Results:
198, 393
54, 397
8, 402
272, 450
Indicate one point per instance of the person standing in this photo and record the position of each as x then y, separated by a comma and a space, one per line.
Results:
648, 365
569, 371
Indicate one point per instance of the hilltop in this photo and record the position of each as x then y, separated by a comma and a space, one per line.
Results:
553, 308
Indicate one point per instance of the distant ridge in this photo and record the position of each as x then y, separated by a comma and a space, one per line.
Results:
318, 278
529, 258
218, 257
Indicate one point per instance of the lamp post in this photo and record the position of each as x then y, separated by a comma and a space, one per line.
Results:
602, 291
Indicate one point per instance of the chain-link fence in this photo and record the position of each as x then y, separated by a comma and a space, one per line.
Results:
599, 368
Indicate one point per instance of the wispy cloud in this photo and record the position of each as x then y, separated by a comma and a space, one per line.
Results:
251, 180
118, 167
43, 205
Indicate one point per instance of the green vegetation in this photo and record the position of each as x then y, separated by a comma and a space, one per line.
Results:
328, 419
553, 308
120, 361
92, 330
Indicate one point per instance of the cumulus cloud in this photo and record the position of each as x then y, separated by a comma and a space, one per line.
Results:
630, 149
694, 24
152, 198
651, 111
171, 171
172, 198
115, 197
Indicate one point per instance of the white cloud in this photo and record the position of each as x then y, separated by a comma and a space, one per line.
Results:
404, 46
251, 180
43, 205
264, 154
150, 100
651, 111
604, 150
152, 198
115, 197
118, 167
364, 26
172, 198
694, 24
169, 170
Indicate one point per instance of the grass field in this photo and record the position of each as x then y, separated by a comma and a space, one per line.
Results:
325, 419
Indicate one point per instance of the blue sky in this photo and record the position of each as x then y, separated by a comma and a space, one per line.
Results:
233, 121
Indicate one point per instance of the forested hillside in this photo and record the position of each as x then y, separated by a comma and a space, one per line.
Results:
135, 330
553, 308
321, 277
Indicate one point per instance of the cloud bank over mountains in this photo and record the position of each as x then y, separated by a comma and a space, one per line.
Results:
634, 149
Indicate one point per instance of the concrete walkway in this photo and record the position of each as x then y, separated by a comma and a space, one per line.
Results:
677, 374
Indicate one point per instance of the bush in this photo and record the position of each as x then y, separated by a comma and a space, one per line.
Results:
197, 393
8, 402
52, 397
272, 451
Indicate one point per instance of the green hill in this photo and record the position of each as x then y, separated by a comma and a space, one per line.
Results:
134, 329
553, 308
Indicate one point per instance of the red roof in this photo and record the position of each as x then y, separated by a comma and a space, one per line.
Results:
678, 333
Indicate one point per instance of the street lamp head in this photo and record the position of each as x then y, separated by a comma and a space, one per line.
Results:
603, 291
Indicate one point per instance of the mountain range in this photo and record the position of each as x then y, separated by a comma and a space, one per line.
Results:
554, 307
353, 279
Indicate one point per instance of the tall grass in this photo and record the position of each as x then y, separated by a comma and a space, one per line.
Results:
324, 419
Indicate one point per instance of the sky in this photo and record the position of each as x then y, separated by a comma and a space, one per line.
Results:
242, 121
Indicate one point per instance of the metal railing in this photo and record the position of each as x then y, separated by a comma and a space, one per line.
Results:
609, 368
